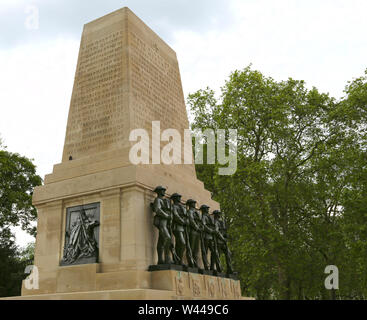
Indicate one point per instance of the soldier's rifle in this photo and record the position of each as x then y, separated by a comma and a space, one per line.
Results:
170, 229
187, 238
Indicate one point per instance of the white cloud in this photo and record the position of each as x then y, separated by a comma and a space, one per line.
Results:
66, 17
321, 42
35, 90
6, 4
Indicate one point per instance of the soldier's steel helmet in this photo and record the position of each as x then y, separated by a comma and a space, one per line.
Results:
175, 195
217, 212
190, 201
159, 188
204, 206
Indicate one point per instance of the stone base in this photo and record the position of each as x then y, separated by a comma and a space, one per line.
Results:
160, 285
138, 294
186, 285
132, 294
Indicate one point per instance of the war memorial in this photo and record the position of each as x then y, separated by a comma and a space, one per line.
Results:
110, 229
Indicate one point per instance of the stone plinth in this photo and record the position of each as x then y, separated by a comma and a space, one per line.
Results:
161, 285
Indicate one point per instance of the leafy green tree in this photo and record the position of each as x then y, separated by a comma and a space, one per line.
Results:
298, 152
17, 180
352, 116
9, 265
26, 254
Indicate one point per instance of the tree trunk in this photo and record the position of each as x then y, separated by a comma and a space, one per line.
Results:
285, 284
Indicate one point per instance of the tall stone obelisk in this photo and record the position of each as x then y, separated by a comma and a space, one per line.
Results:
126, 77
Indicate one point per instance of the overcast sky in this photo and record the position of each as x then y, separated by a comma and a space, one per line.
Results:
323, 42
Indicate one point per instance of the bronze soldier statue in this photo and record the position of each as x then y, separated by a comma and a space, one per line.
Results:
221, 239
195, 229
162, 220
180, 230
208, 238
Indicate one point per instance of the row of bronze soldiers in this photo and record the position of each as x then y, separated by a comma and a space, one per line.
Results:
191, 232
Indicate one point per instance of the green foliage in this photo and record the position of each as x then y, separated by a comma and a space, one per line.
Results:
296, 203
26, 254
17, 180
13, 262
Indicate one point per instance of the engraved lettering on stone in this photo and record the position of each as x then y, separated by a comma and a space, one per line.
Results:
97, 118
179, 285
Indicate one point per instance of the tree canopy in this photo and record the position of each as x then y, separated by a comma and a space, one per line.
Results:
17, 180
297, 201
